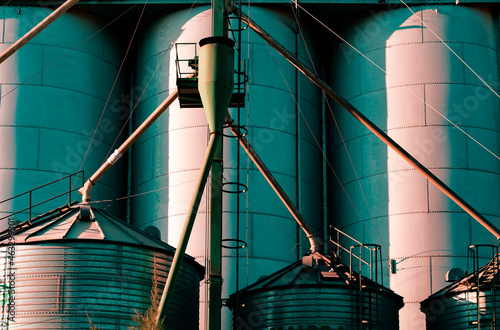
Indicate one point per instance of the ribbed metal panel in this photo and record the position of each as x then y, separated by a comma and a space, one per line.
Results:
58, 282
53, 92
314, 308
420, 227
171, 152
299, 297
459, 311
457, 308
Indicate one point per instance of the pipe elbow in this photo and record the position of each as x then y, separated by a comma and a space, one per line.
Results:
85, 191
314, 243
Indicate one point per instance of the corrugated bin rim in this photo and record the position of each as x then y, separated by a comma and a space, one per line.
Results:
105, 228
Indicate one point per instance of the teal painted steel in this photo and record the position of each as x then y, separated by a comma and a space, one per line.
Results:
53, 92
465, 302
66, 269
300, 297
420, 227
170, 154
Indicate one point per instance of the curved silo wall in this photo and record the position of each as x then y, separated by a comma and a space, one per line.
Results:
421, 229
171, 153
53, 92
64, 285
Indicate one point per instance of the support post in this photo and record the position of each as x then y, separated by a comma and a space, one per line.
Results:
275, 185
215, 256
186, 230
219, 29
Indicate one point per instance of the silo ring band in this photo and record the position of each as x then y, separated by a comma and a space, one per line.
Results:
238, 191
217, 40
241, 128
240, 244
237, 29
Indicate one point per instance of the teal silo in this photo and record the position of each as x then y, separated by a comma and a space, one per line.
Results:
53, 93
315, 294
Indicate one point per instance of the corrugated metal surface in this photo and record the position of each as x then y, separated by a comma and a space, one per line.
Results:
171, 152
420, 227
53, 91
461, 305
300, 297
60, 280
459, 311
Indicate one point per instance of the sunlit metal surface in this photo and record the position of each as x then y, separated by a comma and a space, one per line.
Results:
170, 154
473, 302
66, 269
422, 230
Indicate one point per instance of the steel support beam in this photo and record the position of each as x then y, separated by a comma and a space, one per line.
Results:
219, 29
37, 29
371, 126
215, 242
87, 187
275, 185
186, 230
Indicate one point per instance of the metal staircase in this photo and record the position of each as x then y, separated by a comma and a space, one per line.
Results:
362, 268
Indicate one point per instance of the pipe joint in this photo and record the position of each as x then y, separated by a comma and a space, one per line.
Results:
114, 157
85, 191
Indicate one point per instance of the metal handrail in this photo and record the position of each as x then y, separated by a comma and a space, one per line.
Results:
30, 193
179, 72
370, 248
340, 247
473, 252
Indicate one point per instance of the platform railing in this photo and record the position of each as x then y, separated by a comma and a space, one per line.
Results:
72, 187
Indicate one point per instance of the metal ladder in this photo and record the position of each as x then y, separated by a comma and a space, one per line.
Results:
485, 277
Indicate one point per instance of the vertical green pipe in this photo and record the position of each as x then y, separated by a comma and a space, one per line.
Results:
186, 230
215, 257
216, 85
298, 104
218, 22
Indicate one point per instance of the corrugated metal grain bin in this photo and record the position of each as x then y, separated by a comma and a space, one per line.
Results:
472, 302
315, 294
86, 265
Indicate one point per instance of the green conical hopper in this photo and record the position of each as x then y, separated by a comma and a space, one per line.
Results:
216, 79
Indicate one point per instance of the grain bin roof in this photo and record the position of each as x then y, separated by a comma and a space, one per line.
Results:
82, 222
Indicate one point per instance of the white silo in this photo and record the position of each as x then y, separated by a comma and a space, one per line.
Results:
170, 154
424, 232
